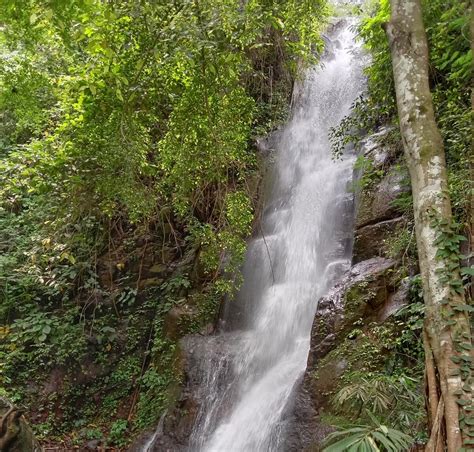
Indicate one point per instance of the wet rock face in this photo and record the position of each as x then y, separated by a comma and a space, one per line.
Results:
378, 216
178, 424
395, 301
360, 293
365, 292
305, 431
373, 148
377, 204
370, 239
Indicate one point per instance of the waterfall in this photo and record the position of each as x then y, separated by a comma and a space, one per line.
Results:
249, 371
303, 245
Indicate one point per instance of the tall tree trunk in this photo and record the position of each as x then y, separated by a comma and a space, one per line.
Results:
424, 153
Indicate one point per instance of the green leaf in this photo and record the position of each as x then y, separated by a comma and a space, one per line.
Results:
467, 271
46, 329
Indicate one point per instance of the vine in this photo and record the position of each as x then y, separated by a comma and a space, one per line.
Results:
448, 243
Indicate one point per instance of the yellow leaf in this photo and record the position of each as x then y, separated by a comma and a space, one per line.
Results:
4, 330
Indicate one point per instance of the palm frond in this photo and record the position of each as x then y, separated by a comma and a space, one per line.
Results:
366, 438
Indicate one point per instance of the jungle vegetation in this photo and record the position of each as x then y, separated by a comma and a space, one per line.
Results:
129, 181
126, 143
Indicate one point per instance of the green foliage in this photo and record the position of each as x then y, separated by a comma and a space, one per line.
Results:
451, 66
447, 25
369, 174
368, 438
123, 123
377, 106
396, 398
384, 363
131, 92
117, 432
410, 319
136, 107
381, 89
448, 242
454, 307
402, 243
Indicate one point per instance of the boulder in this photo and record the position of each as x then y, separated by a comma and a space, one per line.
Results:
377, 204
370, 240
359, 293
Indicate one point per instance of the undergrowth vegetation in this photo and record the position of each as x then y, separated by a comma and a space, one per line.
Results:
382, 381
128, 186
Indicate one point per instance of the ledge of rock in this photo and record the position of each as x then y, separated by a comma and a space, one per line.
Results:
370, 239
378, 204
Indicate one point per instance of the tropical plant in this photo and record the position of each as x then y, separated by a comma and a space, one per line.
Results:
396, 398
368, 438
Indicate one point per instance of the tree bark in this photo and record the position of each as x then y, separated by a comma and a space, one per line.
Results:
430, 382
424, 153
15, 434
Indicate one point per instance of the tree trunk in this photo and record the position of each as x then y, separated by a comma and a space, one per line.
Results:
15, 434
424, 153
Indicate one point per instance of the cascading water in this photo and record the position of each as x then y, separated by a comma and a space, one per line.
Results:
303, 245
248, 372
